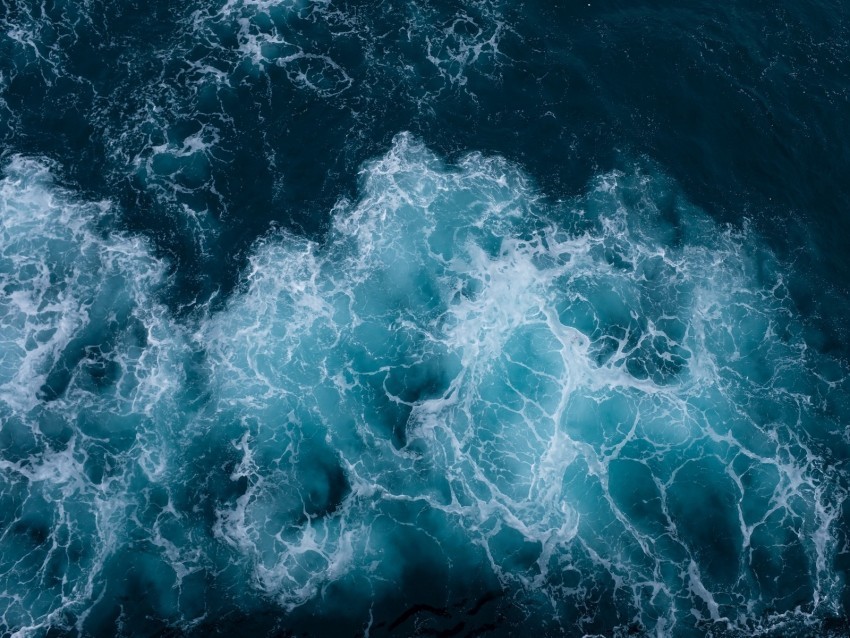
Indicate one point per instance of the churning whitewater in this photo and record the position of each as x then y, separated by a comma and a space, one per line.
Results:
590, 416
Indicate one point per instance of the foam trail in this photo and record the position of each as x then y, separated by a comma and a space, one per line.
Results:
605, 408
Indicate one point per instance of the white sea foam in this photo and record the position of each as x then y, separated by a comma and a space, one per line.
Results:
562, 394
81, 389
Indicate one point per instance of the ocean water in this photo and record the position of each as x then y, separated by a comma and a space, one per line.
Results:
426, 318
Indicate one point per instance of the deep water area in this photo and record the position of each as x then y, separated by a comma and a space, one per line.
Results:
425, 318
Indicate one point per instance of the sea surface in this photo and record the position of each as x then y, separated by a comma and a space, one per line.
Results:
424, 318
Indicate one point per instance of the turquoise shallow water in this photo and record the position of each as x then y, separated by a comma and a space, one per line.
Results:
449, 319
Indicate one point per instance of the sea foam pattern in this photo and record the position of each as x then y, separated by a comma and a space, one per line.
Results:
604, 410
171, 99
87, 390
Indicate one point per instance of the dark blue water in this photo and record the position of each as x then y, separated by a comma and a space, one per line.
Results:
432, 318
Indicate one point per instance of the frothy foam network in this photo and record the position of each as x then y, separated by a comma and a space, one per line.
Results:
604, 409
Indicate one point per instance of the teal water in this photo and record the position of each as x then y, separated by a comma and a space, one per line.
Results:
431, 319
